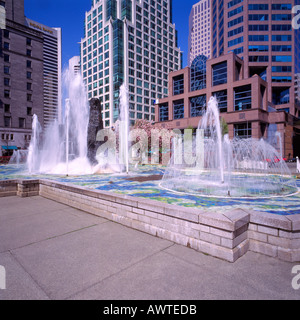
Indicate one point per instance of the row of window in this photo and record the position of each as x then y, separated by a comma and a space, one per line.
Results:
8, 122
198, 76
242, 101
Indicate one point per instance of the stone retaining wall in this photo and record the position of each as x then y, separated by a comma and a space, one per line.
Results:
227, 235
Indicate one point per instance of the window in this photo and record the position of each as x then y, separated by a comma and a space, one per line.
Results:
6, 70
6, 57
235, 11
28, 41
28, 52
6, 81
235, 31
178, 85
258, 48
258, 37
242, 98
219, 73
6, 45
258, 17
281, 27
233, 3
235, 41
29, 86
178, 108
281, 69
221, 97
7, 122
28, 64
21, 123
282, 48
258, 27
243, 130
281, 17
164, 112
29, 74
258, 58
281, 79
6, 93
197, 106
280, 95
6, 108
258, 6
282, 58
282, 37
235, 21
281, 6
198, 73
29, 111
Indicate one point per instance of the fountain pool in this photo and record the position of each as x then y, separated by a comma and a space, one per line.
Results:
144, 182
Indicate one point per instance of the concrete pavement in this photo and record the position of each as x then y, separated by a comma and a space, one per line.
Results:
52, 251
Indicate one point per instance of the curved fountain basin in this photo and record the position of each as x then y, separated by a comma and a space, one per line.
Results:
144, 182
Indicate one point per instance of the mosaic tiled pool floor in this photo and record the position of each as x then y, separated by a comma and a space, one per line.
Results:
119, 183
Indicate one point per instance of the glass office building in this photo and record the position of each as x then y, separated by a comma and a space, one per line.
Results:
132, 42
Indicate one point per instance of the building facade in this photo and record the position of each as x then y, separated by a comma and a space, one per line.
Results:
52, 71
30, 74
242, 101
199, 31
132, 42
261, 37
21, 73
262, 34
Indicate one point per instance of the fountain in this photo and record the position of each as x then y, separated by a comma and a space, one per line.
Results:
240, 168
124, 129
62, 148
19, 157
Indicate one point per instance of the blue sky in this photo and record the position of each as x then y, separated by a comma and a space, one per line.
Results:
69, 15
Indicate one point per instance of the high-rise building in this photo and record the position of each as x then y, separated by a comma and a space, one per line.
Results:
52, 70
253, 72
199, 31
21, 78
30, 75
132, 42
261, 33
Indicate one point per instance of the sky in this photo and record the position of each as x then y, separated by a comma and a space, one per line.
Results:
69, 15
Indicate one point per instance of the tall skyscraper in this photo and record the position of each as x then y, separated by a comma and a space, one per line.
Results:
132, 42
199, 31
261, 33
52, 70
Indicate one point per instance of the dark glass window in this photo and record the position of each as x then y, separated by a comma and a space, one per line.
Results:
178, 85
111, 9
198, 73
219, 73
281, 17
243, 130
221, 97
280, 95
21, 123
197, 105
178, 108
164, 112
7, 122
242, 98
